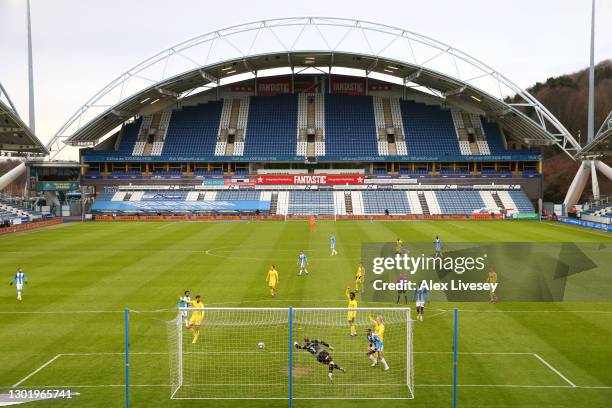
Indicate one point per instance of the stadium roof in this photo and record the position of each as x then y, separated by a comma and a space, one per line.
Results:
15, 135
602, 143
307, 45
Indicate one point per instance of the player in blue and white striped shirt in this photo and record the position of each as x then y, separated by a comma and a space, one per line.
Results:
19, 279
376, 347
332, 241
438, 246
184, 302
420, 296
303, 263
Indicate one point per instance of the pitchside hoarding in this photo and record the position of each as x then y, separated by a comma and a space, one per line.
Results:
310, 179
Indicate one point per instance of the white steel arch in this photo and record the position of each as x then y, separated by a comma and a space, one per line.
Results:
319, 35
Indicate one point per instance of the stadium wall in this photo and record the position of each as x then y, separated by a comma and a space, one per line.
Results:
30, 226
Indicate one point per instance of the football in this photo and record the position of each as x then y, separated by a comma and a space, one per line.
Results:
261, 345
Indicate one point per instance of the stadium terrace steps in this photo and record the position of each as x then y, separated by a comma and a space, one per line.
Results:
489, 201
282, 205
357, 203
507, 201
415, 202
119, 196
319, 125
432, 202
388, 120
339, 203
423, 203
232, 127
210, 195
137, 196
400, 135
348, 202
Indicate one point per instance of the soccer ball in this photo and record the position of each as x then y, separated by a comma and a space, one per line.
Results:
261, 345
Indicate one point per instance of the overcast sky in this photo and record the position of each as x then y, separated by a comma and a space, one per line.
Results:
81, 45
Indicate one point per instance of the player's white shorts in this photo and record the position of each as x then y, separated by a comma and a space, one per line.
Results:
184, 313
420, 304
19, 286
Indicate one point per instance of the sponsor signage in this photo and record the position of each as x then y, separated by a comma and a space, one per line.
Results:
587, 224
309, 179
348, 86
274, 86
57, 185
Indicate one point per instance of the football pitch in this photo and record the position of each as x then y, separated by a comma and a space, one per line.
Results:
68, 333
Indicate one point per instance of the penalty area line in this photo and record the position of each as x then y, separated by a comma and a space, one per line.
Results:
39, 369
554, 370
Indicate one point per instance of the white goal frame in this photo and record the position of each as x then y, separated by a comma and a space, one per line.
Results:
176, 325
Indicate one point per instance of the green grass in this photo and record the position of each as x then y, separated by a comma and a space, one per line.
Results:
106, 267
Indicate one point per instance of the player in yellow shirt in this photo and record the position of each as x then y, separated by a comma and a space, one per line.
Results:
352, 314
272, 280
195, 321
379, 327
492, 278
399, 246
359, 278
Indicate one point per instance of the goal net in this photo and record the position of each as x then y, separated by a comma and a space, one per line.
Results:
249, 353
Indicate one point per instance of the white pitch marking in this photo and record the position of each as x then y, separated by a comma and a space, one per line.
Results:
578, 228
35, 371
416, 385
554, 369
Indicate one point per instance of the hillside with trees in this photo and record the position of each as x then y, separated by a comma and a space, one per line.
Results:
566, 97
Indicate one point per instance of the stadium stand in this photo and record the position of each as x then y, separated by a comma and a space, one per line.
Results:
429, 130
271, 126
377, 202
459, 202
350, 128
193, 130
311, 202
10, 210
384, 137
325, 202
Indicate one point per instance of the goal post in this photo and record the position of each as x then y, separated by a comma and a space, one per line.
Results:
249, 353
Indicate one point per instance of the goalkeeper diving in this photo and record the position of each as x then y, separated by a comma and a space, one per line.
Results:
322, 355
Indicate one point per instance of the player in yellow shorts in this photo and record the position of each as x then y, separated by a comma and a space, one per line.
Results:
359, 278
379, 330
379, 327
352, 314
272, 280
195, 321
492, 278
399, 246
